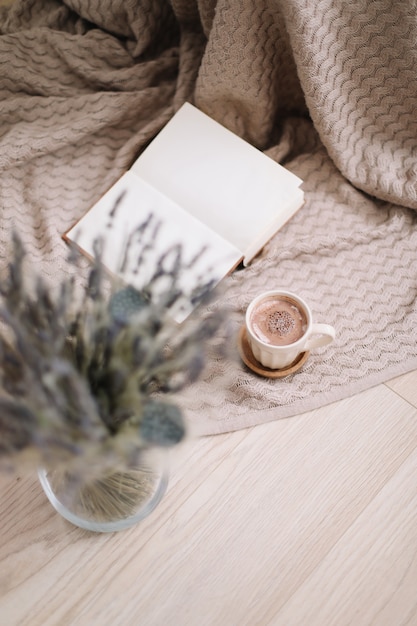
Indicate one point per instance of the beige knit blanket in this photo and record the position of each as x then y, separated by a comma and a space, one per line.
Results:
326, 87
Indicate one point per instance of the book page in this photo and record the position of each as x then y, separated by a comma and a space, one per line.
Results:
118, 218
222, 180
286, 211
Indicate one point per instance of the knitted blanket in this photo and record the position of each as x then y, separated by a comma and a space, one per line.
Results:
325, 87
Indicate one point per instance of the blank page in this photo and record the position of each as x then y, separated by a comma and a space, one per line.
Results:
219, 178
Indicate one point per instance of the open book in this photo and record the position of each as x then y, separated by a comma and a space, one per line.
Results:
209, 191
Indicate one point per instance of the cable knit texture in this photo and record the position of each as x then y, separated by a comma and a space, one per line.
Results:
327, 88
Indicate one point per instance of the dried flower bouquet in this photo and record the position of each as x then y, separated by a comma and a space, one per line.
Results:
88, 374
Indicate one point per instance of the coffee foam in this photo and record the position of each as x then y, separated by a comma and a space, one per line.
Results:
278, 321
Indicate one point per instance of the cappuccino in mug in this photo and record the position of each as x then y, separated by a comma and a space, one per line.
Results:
279, 321
279, 328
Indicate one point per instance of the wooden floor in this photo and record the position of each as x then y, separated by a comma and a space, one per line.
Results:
309, 521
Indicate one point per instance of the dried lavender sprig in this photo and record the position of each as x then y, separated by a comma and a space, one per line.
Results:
79, 379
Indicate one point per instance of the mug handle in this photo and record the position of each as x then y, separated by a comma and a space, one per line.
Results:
325, 334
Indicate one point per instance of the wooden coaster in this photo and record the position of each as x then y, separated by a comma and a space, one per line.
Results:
253, 364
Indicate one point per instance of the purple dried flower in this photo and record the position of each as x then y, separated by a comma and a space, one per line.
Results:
78, 368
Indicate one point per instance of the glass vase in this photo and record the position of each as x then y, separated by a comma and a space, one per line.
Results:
108, 500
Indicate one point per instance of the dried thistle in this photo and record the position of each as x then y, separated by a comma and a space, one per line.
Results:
89, 373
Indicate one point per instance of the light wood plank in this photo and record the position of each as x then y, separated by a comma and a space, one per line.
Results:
43, 557
405, 386
370, 576
249, 517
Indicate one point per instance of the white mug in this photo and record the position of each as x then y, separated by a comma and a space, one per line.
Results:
279, 328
